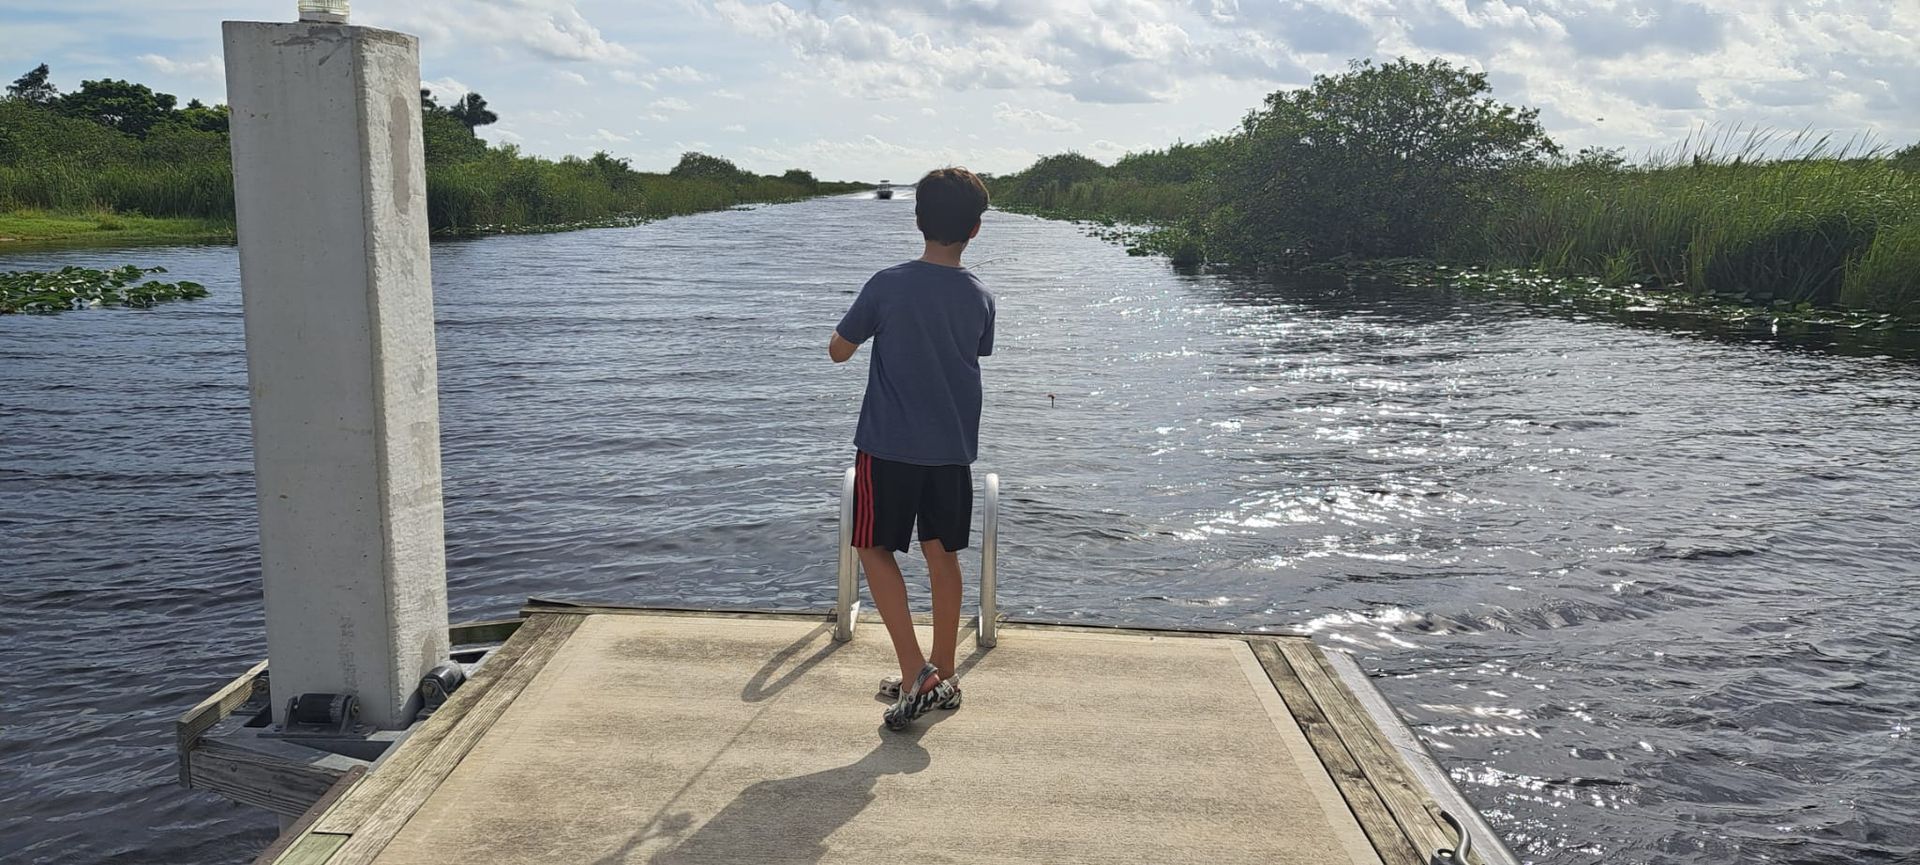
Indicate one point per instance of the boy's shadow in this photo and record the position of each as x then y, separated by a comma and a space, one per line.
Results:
789, 819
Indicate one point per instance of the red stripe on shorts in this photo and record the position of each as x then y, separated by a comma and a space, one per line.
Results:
863, 501
872, 503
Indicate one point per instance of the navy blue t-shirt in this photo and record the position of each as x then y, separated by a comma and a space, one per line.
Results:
930, 325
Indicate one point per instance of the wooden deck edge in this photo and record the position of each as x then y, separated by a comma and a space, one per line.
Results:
372, 813
286, 779
1395, 800
208, 712
1349, 777
293, 833
485, 631
1488, 846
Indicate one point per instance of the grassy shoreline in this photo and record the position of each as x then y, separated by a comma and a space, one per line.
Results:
23, 230
36, 230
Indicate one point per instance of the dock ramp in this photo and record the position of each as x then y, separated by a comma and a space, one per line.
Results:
626, 735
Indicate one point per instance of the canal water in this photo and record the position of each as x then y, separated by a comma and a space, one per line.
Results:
1651, 596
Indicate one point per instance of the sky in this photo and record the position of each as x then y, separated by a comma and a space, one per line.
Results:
886, 89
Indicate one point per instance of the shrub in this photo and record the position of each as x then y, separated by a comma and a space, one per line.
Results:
1381, 161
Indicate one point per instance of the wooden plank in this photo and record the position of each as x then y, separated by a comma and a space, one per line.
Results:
358, 805
1487, 846
313, 848
1369, 810
1417, 814
254, 778
209, 712
488, 631
373, 831
298, 830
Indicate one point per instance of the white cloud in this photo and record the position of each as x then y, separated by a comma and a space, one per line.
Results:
549, 29
671, 103
446, 89
679, 74
209, 69
667, 74
871, 157
561, 33
873, 59
1032, 119
733, 127
571, 77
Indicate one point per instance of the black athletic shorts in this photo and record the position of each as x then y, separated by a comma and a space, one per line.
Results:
889, 497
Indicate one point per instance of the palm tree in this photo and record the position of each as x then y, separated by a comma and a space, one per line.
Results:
472, 111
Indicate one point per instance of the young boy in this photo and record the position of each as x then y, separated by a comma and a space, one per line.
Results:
931, 321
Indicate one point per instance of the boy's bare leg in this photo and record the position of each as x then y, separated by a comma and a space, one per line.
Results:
889, 591
943, 568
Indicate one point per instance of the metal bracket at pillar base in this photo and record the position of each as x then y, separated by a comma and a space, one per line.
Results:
843, 623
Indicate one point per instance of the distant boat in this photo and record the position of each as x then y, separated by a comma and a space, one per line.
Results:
884, 190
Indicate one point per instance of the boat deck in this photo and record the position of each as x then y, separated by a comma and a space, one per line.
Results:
613, 735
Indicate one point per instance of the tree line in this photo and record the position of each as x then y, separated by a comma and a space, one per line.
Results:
118, 146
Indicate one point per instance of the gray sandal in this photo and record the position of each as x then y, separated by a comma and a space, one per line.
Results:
890, 688
919, 700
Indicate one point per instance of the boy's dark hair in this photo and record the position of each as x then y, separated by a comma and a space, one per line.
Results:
948, 203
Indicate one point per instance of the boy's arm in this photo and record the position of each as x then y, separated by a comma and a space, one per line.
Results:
860, 324
986, 336
839, 349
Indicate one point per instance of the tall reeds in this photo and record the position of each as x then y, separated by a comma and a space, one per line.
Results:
1743, 213
1772, 219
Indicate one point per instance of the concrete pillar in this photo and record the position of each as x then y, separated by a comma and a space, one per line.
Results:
330, 190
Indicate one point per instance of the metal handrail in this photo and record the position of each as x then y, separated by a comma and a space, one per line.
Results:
989, 630
847, 604
847, 607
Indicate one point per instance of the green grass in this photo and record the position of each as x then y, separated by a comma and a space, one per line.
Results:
1828, 232
65, 180
1104, 199
38, 228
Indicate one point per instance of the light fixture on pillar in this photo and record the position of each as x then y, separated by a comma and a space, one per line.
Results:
330, 11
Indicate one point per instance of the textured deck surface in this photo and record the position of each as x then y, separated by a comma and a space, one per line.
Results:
650, 738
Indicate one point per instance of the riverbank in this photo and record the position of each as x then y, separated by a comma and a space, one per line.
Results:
69, 176
1830, 234
1403, 160
38, 229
